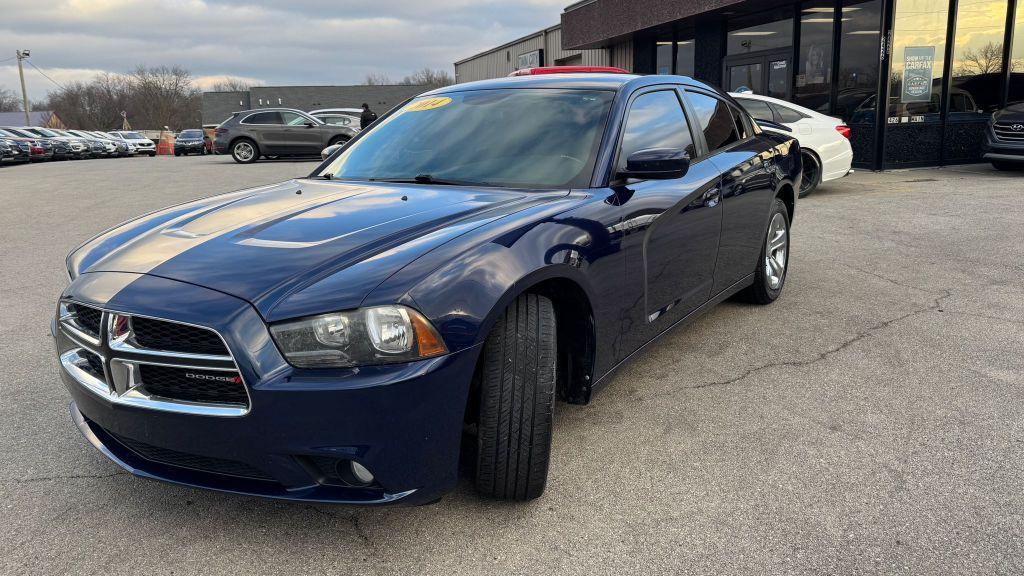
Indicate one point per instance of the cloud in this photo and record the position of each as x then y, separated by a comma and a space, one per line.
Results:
272, 42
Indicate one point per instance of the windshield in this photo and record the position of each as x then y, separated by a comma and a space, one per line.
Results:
7, 134
191, 134
132, 135
44, 132
525, 138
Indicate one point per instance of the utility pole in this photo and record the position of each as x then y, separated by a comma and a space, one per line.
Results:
21, 55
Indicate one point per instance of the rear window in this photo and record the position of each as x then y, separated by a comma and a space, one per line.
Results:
787, 115
757, 108
263, 118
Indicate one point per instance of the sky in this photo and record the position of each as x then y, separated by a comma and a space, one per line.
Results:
263, 41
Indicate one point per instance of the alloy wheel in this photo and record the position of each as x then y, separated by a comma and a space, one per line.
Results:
775, 252
244, 151
810, 174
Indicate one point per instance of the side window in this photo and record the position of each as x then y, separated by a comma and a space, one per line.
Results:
757, 108
655, 120
293, 119
741, 122
263, 118
716, 120
787, 115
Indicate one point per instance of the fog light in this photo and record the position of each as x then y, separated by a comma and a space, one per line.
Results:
353, 473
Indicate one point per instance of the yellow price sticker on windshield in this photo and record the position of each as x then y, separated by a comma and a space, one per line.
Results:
428, 104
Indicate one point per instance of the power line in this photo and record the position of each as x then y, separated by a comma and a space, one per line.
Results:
57, 84
8, 59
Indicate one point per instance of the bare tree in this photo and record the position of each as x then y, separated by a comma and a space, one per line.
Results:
232, 84
377, 79
985, 60
151, 97
164, 96
429, 77
8, 101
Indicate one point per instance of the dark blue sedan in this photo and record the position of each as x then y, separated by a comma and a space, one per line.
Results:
436, 284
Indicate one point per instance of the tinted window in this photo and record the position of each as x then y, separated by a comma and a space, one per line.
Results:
739, 118
264, 118
787, 115
858, 61
293, 119
716, 121
757, 108
528, 138
191, 134
340, 120
655, 120
685, 57
978, 56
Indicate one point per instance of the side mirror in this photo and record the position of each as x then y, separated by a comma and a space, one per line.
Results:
326, 152
310, 124
656, 164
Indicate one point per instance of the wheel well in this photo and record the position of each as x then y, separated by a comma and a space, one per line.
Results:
236, 139
788, 198
576, 343
339, 140
576, 336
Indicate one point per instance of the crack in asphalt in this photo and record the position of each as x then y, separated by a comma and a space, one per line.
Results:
935, 305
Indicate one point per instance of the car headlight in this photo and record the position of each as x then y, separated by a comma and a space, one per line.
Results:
368, 336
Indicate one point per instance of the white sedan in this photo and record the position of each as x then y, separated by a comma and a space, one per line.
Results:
824, 140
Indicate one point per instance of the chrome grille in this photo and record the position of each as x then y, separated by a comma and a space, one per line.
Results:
1009, 131
151, 362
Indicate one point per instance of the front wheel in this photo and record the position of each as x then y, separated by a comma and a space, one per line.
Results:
811, 174
245, 152
770, 275
517, 395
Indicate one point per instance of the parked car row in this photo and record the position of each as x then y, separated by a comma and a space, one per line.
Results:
37, 144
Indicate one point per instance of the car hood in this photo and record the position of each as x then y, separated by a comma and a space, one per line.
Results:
267, 245
1012, 113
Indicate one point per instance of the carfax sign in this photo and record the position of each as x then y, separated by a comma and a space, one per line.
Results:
917, 73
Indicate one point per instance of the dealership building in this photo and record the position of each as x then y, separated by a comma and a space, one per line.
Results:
940, 67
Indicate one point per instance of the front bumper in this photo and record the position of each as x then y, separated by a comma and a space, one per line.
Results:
402, 422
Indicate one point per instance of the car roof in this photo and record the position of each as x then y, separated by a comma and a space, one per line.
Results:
324, 110
580, 81
275, 109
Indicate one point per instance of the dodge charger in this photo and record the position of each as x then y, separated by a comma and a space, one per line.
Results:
429, 293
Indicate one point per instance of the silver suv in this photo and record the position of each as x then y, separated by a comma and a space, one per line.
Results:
272, 132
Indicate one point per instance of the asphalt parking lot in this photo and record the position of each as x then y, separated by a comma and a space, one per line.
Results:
868, 422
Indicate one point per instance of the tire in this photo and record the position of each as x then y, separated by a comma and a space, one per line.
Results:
516, 377
770, 274
245, 151
177, 153
1007, 166
811, 174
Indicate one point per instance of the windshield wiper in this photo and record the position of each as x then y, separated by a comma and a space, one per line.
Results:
428, 179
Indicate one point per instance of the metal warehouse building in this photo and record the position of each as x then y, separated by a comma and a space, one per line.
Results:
939, 68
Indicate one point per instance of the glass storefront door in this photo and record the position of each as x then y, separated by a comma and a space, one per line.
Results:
768, 74
914, 122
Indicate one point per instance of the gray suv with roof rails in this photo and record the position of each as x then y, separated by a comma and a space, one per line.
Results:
276, 132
